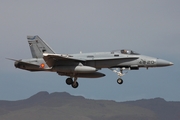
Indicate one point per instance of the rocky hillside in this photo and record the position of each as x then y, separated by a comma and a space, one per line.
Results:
63, 106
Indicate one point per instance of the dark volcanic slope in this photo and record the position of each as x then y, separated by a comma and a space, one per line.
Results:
55, 106
165, 110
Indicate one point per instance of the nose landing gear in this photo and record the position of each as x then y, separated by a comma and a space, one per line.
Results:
119, 81
120, 73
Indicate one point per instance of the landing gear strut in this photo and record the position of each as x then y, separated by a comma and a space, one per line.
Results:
74, 84
119, 72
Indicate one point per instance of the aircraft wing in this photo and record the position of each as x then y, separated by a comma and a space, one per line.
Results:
51, 59
112, 58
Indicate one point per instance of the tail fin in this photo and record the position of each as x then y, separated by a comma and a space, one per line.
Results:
38, 46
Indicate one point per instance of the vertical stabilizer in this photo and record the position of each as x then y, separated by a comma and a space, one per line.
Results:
38, 46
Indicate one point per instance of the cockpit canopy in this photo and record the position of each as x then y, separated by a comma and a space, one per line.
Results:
125, 51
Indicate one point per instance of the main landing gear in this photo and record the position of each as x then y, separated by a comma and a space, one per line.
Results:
120, 73
74, 84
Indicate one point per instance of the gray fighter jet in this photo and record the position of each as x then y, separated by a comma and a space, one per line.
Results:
84, 65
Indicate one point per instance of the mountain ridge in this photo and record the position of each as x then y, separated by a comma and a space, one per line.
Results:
62, 105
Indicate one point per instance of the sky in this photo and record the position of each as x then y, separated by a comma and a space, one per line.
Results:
149, 27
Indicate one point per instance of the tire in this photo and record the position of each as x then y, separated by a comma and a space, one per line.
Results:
119, 81
75, 85
69, 81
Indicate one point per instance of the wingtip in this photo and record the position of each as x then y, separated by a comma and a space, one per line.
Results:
12, 59
45, 54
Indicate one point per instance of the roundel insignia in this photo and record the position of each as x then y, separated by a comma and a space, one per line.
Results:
42, 65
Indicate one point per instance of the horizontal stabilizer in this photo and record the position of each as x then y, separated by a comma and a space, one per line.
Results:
18, 62
12, 59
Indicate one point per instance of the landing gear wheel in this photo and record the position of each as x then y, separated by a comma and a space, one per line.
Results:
69, 81
75, 85
119, 81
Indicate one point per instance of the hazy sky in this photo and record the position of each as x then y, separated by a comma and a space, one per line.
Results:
150, 27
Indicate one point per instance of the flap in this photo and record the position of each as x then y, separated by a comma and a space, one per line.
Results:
50, 59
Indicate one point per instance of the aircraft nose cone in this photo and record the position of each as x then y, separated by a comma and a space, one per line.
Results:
161, 62
170, 63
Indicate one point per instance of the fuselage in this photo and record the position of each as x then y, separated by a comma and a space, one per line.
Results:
84, 65
98, 60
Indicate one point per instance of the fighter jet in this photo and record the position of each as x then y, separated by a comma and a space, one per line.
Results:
84, 65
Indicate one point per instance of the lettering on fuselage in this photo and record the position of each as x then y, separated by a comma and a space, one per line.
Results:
149, 62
